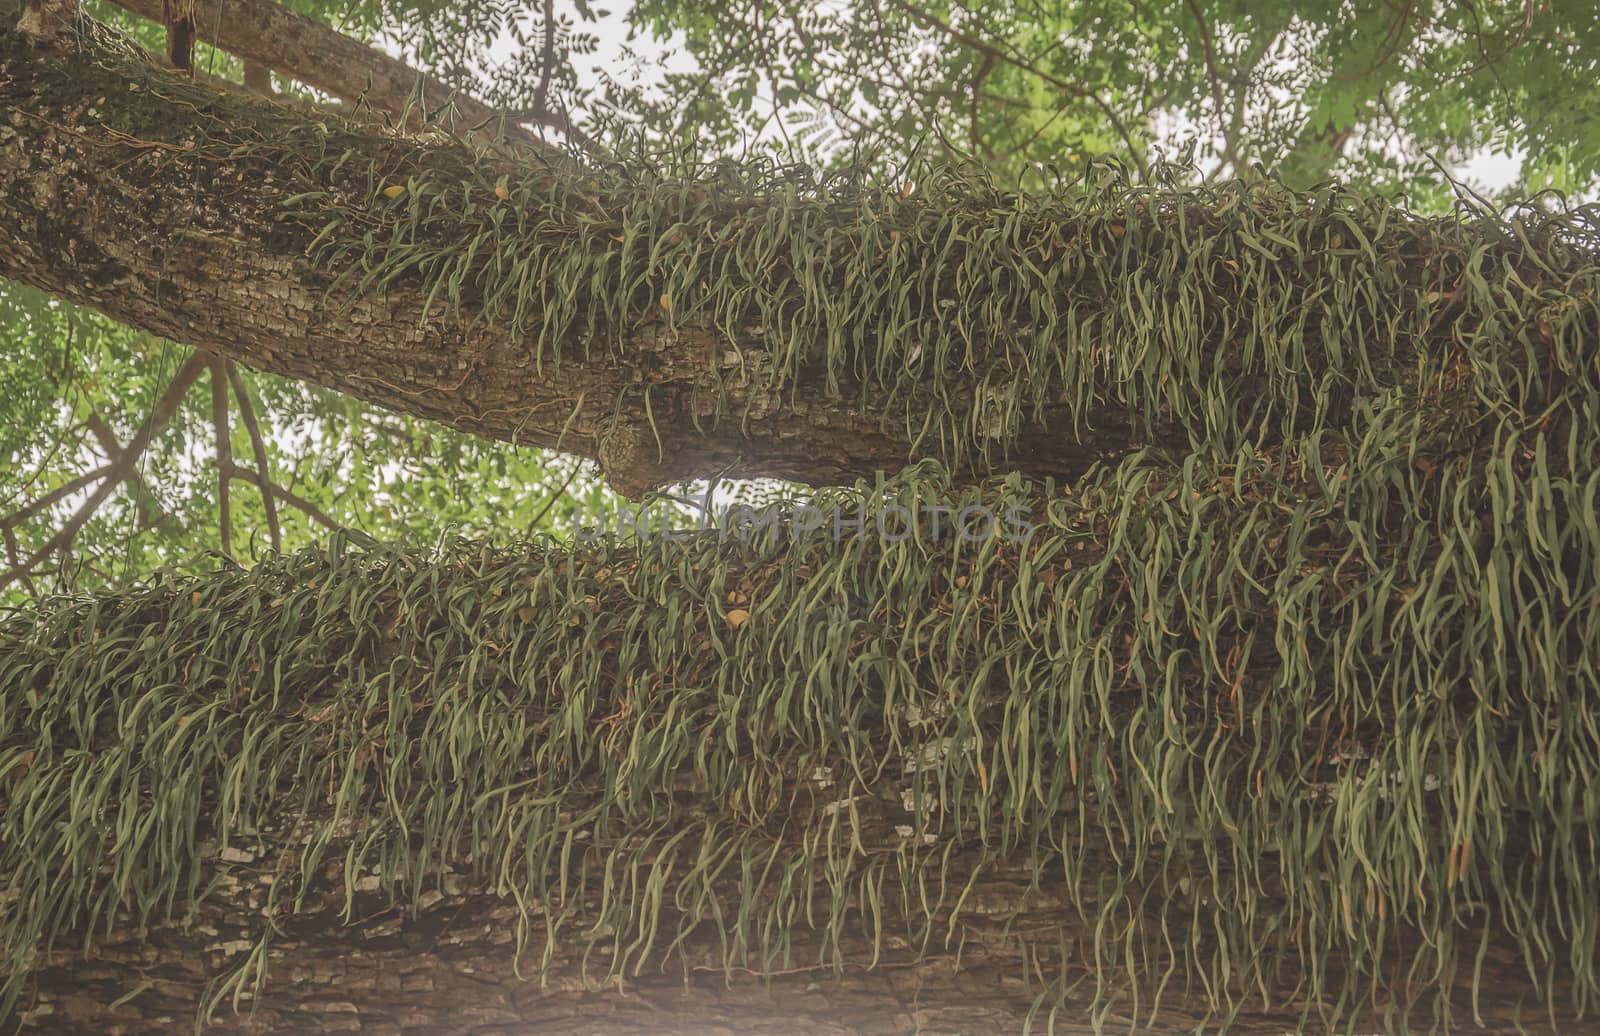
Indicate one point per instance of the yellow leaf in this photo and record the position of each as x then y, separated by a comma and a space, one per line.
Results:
20, 768
500, 190
666, 303
738, 617
394, 190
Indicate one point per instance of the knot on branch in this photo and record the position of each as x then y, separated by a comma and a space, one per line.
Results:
630, 458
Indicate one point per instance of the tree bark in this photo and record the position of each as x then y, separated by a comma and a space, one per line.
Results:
269, 36
116, 195
451, 969
103, 203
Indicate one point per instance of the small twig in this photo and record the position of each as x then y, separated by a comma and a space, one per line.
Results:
219, 425
557, 495
711, 497
247, 414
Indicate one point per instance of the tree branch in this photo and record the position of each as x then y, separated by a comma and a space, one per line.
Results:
224, 452
1209, 52
247, 416
14, 557
56, 495
151, 513
116, 472
266, 34
271, 489
547, 57
227, 274
192, 215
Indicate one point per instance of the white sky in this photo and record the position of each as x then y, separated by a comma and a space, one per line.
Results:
644, 61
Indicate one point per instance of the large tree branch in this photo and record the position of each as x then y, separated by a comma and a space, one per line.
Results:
271, 36
400, 766
1059, 335
142, 228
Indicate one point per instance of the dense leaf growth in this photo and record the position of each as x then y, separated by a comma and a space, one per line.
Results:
1318, 732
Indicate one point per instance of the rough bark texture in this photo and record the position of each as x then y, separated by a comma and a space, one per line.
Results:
451, 968
276, 38
133, 226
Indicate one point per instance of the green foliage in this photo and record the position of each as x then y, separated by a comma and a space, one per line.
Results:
68, 373
963, 312
1367, 91
1339, 708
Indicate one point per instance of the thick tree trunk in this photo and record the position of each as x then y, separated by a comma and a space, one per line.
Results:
452, 969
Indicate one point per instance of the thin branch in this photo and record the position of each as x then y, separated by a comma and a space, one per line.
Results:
294, 500
224, 449
14, 555
711, 499
165, 408
151, 513
1243, 79
551, 502
1208, 51
247, 415
558, 121
56, 495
